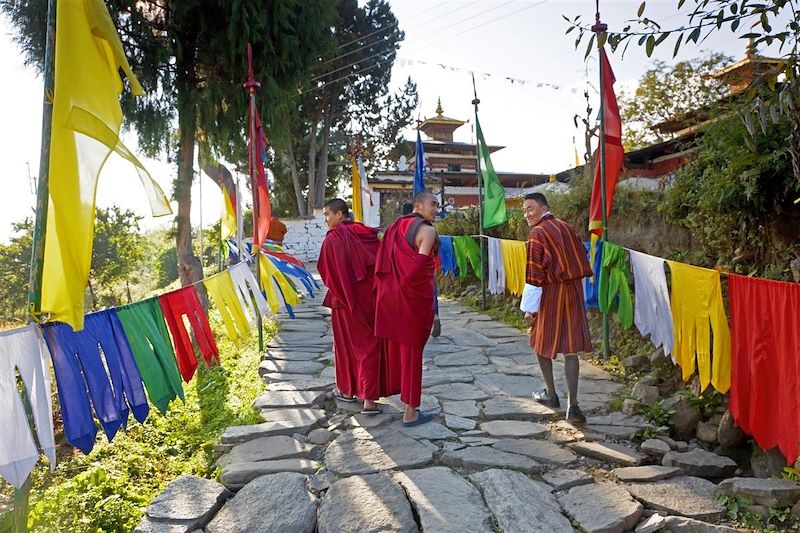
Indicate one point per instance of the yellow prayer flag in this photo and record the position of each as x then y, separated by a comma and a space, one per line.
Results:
228, 220
358, 215
85, 129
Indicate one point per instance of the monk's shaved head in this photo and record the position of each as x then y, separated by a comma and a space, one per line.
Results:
426, 204
422, 196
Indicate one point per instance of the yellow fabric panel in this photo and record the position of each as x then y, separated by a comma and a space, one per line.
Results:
514, 261
271, 275
223, 293
358, 214
697, 312
85, 130
228, 221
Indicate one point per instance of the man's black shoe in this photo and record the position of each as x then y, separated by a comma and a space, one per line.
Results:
574, 415
543, 398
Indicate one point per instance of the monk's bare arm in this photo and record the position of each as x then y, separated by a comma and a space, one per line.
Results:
426, 237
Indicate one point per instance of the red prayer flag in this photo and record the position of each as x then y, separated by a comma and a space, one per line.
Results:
614, 151
257, 151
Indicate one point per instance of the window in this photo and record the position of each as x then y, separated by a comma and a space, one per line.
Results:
453, 168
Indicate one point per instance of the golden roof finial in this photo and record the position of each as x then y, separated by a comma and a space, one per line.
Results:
751, 51
439, 110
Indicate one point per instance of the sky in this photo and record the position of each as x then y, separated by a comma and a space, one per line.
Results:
445, 41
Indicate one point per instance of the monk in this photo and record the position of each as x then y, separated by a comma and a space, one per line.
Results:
557, 263
347, 266
277, 230
404, 304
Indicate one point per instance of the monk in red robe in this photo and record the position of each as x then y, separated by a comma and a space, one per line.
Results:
347, 266
557, 262
404, 305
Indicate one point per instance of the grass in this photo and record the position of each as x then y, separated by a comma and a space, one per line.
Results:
109, 490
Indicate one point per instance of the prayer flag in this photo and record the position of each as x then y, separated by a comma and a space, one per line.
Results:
494, 196
419, 168
85, 129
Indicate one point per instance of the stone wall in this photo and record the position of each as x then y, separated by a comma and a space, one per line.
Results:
304, 236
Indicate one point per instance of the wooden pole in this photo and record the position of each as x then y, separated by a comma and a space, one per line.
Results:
475, 102
598, 28
22, 495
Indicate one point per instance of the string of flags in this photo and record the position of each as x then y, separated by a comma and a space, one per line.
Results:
574, 89
128, 358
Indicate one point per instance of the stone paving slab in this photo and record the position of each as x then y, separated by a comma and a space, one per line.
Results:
289, 354
646, 473
431, 378
429, 431
237, 434
269, 366
516, 408
428, 404
369, 503
701, 463
363, 451
602, 508
188, 503
444, 501
465, 408
566, 478
267, 449
688, 496
270, 399
767, 492
458, 423
480, 457
540, 450
457, 391
236, 475
520, 504
303, 384
458, 359
504, 385
513, 428
608, 451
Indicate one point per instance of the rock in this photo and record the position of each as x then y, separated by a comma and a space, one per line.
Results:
457, 422
365, 503
288, 367
302, 424
647, 394
683, 495
266, 449
513, 428
681, 446
767, 464
460, 359
729, 434
768, 492
540, 450
670, 442
651, 524
321, 480
635, 363
658, 357
277, 502
707, 432
463, 408
685, 419
444, 501
646, 473
320, 436
496, 384
457, 391
566, 478
516, 409
432, 378
186, 504
701, 463
615, 432
430, 430
363, 451
609, 452
631, 406
655, 447
602, 508
237, 475
271, 399
796, 509
680, 524
480, 457
520, 504
370, 421
450, 446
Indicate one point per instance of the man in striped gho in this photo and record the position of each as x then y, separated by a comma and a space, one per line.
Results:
557, 262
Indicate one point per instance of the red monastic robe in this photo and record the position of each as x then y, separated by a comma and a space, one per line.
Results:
347, 265
557, 263
404, 308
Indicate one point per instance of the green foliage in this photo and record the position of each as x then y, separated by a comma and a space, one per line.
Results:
708, 403
670, 93
790, 473
739, 201
739, 510
465, 222
108, 490
15, 264
657, 414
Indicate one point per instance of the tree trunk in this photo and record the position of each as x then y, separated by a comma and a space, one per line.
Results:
190, 269
312, 164
298, 187
322, 166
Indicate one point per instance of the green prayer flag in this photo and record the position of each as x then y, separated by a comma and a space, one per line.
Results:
494, 196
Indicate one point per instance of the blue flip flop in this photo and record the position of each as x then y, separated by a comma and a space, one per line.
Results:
421, 419
376, 411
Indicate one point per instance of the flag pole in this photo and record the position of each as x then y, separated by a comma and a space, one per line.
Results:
251, 86
475, 103
598, 28
22, 495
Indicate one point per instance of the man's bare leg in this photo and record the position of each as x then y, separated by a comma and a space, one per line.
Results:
572, 372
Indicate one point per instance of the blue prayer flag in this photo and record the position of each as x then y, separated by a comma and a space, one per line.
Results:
419, 168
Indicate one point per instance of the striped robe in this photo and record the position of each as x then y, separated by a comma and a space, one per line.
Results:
557, 263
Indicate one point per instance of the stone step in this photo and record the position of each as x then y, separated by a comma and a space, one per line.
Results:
267, 449
236, 475
365, 451
609, 452
602, 507
271, 399
444, 501
302, 424
688, 496
269, 366
186, 504
701, 463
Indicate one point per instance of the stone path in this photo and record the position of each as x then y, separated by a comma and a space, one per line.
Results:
492, 460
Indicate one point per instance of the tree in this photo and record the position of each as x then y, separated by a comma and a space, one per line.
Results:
670, 93
190, 57
119, 249
15, 263
348, 93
